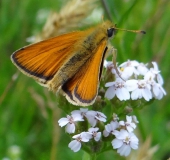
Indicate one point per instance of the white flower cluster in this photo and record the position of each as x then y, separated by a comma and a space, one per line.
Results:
134, 80
124, 138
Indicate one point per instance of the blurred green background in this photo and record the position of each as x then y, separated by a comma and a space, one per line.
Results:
29, 113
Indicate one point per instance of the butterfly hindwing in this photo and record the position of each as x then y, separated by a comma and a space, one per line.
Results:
82, 88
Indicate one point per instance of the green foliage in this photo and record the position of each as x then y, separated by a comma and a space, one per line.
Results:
30, 123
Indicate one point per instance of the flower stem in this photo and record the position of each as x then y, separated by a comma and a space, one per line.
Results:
140, 125
93, 156
88, 156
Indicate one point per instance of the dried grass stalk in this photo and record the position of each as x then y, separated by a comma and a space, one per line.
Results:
69, 18
144, 152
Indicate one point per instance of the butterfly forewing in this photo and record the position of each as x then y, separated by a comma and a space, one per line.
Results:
42, 60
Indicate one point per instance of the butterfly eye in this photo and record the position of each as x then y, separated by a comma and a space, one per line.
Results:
110, 32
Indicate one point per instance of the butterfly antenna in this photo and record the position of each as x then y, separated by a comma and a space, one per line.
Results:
134, 31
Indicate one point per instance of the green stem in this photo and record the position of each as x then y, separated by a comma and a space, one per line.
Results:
88, 156
93, 156
140, 125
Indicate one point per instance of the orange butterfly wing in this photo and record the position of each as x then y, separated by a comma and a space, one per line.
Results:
43, 59
82, 88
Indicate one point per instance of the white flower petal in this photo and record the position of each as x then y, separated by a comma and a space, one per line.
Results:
135, 119
133, 125
80, 112
123, 64
93, 129
114, 125
76, 112
160, 79
129, 128
76, 136
110, 93
100, 116
135, 94
142, 69
134, 145
90, 115
63, 121
131, 85
134, 63
156, 90
84, 110
70, 128
105, 133
122, 123
155, 65
146, 93
109, 84
129, 118
162, 90
127, 72
78, 117
108, 64
92, 121
116, 143
85, 136
119, 94
124, 150
125, 93
98, 136
108, 128
115, 132
122, 134
149, 76
74, 145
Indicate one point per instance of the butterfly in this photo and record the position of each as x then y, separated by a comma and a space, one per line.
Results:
70, 62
